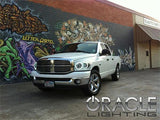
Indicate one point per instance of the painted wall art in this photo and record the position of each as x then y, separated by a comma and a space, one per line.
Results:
29, 31
128, 58
75, 30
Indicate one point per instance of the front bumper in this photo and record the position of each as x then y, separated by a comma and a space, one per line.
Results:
67, 79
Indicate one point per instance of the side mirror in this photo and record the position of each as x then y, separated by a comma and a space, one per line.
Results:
106, 52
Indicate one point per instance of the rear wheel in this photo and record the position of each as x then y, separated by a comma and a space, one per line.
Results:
94, 84
116, 75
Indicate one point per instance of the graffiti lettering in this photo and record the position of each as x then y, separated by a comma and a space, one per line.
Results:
19, 21
9, 59
36, 39
78, 31
128, 58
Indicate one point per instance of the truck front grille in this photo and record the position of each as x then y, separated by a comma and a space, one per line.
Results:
47, 66
53, 79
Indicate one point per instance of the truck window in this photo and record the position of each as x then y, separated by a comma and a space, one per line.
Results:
103, 46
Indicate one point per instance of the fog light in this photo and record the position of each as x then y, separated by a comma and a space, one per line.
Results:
77, 81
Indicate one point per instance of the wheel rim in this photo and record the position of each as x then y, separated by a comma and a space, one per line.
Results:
118, 73
94, 83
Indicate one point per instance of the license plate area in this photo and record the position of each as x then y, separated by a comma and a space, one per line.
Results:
49, 84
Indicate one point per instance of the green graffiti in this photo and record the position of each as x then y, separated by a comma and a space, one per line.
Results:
8, 55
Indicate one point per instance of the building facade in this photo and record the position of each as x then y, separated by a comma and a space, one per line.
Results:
147, 42
31, 29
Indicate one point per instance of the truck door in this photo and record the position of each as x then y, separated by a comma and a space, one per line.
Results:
106, 64
112, 60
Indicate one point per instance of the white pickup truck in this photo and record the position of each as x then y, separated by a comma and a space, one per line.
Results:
78, 64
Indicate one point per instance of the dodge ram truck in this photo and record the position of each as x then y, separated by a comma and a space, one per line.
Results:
82, 64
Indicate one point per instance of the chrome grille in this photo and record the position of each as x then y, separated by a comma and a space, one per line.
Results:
53, 79
46, 66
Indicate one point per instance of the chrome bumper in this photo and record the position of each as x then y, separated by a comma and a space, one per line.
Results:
70, 82
83, 77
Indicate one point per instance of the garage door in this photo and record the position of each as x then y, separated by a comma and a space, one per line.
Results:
155, 51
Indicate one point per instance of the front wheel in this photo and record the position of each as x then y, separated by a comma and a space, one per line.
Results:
116, 75
94, 84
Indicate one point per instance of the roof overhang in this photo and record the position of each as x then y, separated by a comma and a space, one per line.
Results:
149, 33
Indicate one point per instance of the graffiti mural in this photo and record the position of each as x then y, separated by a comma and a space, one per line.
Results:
27, 56
19, 21
78, 31
29, 31
128, 58
19, 52
17, 58
9, 58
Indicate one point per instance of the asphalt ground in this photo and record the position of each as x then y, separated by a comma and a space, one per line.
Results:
23, 101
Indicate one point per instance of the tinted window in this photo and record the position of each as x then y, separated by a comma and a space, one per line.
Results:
81, 47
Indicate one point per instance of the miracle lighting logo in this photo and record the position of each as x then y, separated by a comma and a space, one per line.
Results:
130, 107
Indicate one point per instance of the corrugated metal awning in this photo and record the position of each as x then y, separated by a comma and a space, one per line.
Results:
151, 32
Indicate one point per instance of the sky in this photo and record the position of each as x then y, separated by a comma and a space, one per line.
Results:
147, 7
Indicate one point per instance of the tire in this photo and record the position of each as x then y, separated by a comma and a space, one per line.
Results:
94, 84
116, 75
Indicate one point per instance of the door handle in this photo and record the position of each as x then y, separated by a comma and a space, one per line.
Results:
107, 59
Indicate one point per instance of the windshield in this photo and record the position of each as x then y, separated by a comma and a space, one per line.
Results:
80, 47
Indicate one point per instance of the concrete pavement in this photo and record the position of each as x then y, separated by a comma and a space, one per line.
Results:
23, 101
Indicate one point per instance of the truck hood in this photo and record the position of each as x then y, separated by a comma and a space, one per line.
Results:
71, 55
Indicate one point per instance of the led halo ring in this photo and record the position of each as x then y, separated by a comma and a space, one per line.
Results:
77, 64
82, 64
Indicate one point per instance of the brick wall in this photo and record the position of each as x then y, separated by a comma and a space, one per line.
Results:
92, 9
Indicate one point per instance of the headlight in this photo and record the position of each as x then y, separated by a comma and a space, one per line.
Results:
79, 66
82, 66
